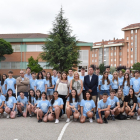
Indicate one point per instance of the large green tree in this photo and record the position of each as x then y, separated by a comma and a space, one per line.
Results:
33, 64
60, 51
5, 48
136, 66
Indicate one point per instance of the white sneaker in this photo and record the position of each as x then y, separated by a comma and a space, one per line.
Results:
8, 116
68, 120
56, 121
4, 114
90, 120
138, 118
62, 117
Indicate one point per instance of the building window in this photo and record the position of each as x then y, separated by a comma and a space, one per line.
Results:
135, 31
111, 60
114, 53
120, 64
120, 59
10, 65
34, 48
127, 50
115, 65
92, 60
131, 49
114, 59
127, 62
131, 61
95, 55
131, 56
111, 64
92, 55
131, 37
111, 54
105, 49
16, 48
83, 57
95, 60
131, 31
131, 43
96, 49
127, 38
120, 48
120, 53
111, 48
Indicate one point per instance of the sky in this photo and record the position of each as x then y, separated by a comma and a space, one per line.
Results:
90, 20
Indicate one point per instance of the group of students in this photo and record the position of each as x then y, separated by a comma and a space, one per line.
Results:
49, 96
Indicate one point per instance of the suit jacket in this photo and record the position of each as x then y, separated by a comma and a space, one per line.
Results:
93, 84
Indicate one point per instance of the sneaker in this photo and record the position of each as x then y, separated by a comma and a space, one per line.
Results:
56, 121
4, 114
105, 120
40, 120
138, 118
62, 117
8, 116
128, 117
109, 118
90, 120
113, 118
68, 120
30, 115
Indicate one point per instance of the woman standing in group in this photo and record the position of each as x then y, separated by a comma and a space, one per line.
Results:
2, 100
120, 78
40, 83
50, 85
63, 89
77, 84
10, 104
115, 82
4, 76
57, 106
126, 84
73, 105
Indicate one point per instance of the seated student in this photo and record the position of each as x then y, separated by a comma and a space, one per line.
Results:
2, 100
57, 106
138, 101
44, 107
38, 99
22, 103
113, 109
31, 102
73, 106
131, 102
10, 104
103, 109
121, 100
87, 107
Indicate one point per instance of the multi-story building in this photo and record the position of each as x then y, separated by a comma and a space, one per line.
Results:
30, 44
119, 52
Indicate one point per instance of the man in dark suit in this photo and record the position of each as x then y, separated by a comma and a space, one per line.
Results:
91, 83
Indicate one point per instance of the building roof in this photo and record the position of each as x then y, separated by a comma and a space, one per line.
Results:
131, 26
24, 35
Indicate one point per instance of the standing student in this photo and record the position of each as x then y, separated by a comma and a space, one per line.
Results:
129, 72
110, 76
114, 105
44, 74
40, 83
32, 81
22, 103
82, 78
10, 104
104, 85
28, 73
115, 82
77, 84
121, 100
70, 77
38, 99
4, 76
87, 108
2, 101
54, 77
50, 85
103, 109
120, 78
22, 84
73, 106
57, 106
44, 107
135, 83
31, 102
62, 87
131, 102
10, 83
126, 84
59, 78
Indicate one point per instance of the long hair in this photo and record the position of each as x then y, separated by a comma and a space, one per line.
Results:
7, 97
103, 79
44, 94
50, 78
76, 96
41, 75
85, 98
76, 72
129, 95
115, 78
36, 97
2, 80
52, 101
62, 74
117, 95
128, 80
30, 95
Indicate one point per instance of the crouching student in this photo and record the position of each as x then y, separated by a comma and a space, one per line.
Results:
131, 102
73, 106
57, 106
43, 109
87, 108
22, 103
10, 104
114, 105
103, 109
2, 100
38, 99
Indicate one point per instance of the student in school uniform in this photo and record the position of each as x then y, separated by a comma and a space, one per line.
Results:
28, 73
33, 80
54, 78
38, 99
115, 82
120, 78
4, 77
110, 76
2, 101
70, 77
